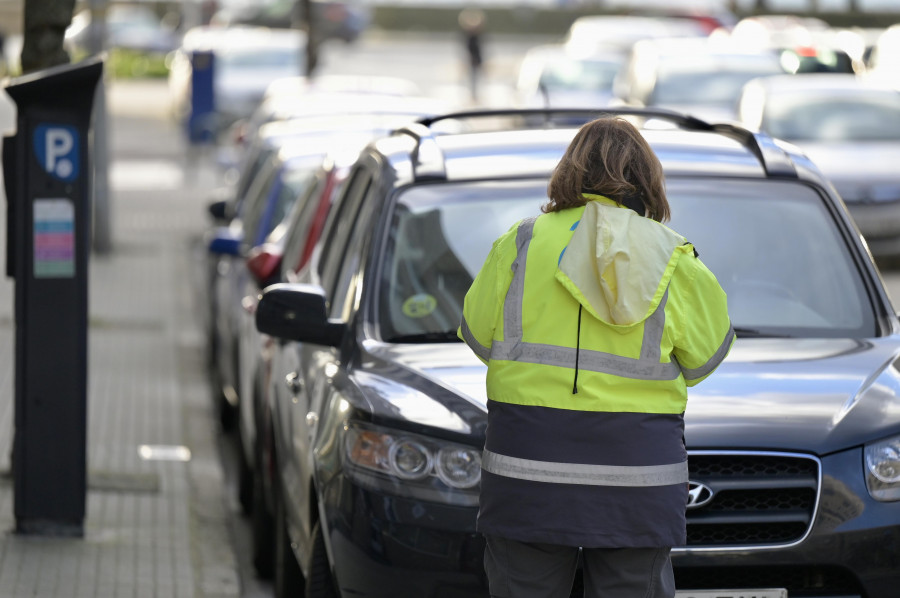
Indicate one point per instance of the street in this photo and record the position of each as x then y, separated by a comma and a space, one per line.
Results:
152, 284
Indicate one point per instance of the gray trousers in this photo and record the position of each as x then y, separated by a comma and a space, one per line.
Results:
533, 570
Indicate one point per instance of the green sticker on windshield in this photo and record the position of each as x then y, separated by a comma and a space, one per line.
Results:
419, 306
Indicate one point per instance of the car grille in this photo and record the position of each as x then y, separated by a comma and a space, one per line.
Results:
758, 499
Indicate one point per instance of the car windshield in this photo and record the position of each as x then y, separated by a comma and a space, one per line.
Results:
263, 58
787, 269
579, 75
801, 117
704, 87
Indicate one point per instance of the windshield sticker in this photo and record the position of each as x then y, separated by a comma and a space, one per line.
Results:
419, 306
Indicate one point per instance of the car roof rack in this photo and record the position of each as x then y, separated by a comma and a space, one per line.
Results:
427, 157
773, 159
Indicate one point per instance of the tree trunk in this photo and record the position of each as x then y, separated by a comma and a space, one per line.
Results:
45, 23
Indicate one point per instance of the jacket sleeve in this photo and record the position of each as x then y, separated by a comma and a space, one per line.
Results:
705, 334
482, 305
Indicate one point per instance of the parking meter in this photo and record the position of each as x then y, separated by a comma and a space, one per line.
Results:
201, 123
46, 167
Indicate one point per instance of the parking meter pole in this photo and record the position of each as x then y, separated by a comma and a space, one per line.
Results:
201, 126
101, 218
102, 210
46, 167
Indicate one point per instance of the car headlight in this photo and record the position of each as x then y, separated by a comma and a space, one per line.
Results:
883, 469
412, 465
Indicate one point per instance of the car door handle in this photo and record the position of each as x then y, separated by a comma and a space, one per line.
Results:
294, 382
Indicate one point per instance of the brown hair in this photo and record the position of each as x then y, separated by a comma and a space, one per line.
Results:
609, 157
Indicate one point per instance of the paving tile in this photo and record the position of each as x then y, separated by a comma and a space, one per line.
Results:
142, 537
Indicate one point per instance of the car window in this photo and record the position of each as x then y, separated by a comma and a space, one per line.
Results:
788, 270
254, 200
799, 117
347, 286
341, 222
439, 238
298, 227
257, 157
276, 195
703, 86
573, 74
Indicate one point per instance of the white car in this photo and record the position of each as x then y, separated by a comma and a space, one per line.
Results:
551, 76
702, 77
245, 61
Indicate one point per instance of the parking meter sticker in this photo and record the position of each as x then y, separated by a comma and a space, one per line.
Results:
54, 238
57, 149
419, 306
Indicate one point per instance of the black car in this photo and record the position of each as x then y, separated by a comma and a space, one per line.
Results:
378, 411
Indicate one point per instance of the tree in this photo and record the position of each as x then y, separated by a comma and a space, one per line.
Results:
45, 26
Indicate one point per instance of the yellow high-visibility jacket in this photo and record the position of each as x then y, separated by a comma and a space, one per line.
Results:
593, 321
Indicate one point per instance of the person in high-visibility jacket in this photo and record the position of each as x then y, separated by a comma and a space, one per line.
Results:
593, 319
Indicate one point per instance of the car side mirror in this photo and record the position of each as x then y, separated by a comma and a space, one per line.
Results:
218, 210
297, 312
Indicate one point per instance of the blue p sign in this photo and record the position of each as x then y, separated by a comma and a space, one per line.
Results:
56, 148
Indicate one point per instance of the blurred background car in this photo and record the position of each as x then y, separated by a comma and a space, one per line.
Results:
702, 77
344, 20
884, 60
135, 27
804, 44
850, 127
620, 32
245, 61
552, 76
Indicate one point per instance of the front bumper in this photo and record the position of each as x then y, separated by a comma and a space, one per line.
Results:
390, 546
383, 545
851, 550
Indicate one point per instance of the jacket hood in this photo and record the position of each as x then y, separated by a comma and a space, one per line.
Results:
618, 263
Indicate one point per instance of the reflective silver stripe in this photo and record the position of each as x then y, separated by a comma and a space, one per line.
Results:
479, 349
653, 331
647, 367
594, 361
714, 361
512, 318
589, 475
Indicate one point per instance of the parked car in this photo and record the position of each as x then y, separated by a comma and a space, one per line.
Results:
552, 77
850, 127
128, 26
590, 33
298, 97
378, 411
245, 61
701, 77
804, 44
884, 60
344, 20
281, 175
284, 254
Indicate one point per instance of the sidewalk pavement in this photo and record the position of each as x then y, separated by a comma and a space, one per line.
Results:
154, 527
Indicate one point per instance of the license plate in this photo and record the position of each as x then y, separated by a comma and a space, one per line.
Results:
752, 593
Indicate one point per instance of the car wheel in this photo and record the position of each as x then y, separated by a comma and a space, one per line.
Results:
288, 581
319, 583
263, 526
